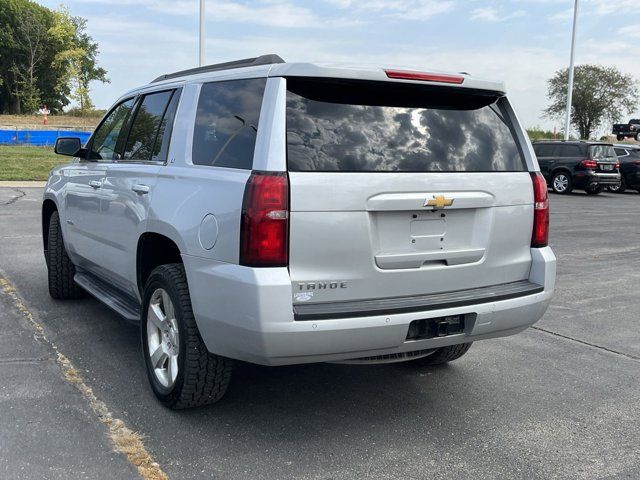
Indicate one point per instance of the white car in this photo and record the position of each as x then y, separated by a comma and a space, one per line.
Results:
285, 213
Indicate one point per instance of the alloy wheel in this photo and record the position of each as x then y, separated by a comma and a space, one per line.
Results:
163, 339
560, 183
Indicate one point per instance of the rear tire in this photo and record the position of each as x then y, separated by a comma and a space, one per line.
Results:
620, 189
443, 355
61, 269
183, 374
562, 183
620, 138
594, 191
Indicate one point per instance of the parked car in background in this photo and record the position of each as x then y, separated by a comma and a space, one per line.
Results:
585, 165
631, 129
285, 213
629, 158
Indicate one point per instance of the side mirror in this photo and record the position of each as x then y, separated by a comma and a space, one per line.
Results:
69, 146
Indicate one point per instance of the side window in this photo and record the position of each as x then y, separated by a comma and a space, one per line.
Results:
105, 139
227, 123
621, 152
544, 150
148, 138
570, 151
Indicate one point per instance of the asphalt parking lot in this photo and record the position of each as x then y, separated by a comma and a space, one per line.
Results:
561, 400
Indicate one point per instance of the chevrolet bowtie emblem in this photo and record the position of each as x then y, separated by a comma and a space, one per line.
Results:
438, 202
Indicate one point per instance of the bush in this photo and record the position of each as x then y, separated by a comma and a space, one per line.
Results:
87, 113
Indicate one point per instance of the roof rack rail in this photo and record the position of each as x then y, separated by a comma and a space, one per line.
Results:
246, 62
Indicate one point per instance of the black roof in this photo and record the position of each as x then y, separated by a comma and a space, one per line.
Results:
245, 62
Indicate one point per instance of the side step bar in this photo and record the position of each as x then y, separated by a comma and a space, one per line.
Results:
110, 296
416, 303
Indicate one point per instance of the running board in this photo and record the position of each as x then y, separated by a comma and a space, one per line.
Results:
110, 296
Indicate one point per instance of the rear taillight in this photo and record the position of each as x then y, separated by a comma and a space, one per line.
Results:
589, 164
616, 165
264, 233
540, 235
425, 77
636, 162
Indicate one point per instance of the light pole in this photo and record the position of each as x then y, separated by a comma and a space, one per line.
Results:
201, 49
567, 120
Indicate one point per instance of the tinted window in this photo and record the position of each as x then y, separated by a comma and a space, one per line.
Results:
570, 151
227, 123
544, 150
621, 152
365, 127
602, 151
145, 138
104, 144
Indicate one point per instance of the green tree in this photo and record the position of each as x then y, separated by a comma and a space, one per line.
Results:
46, 57
85, 66
600, 95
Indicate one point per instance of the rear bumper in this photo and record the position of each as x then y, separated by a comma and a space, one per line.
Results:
247, 314
592, 179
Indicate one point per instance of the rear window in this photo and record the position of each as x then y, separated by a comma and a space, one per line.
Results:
383, 127
602, 151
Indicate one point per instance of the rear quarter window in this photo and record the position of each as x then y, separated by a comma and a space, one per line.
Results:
227, 123
570, 151
397, 128
544, 150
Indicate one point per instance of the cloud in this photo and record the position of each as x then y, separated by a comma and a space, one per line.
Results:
407, 10
491, 14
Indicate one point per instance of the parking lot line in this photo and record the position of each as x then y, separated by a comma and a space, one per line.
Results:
125, 440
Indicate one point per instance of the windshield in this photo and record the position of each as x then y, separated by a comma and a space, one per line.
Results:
342, 127
602, 152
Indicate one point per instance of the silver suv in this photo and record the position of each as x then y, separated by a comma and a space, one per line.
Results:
283, 213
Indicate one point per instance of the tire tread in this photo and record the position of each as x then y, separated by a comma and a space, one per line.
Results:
206, 376
61, 269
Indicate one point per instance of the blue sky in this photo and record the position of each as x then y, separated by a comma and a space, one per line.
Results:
520, 41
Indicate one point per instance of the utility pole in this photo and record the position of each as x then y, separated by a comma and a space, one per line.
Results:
567, 121
201, 49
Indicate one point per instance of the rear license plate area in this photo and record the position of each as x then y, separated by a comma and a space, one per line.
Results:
606, 167
436, 327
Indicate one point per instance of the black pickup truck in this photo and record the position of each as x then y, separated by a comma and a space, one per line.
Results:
624, 130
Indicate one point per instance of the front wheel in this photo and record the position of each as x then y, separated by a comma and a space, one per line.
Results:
561, 183
181, 370
443, 355
618, 188
60, 268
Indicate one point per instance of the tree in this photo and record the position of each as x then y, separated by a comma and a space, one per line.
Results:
46, 57
85, 65
600, 95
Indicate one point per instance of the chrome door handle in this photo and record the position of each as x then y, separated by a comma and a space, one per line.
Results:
95, 183
140, 188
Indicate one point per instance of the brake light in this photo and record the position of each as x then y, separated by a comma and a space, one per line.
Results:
425, 77
264, 232
636, 162
616, 165
540, 234
589, 164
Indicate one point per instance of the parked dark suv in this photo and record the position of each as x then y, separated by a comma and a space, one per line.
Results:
629, 158
589, 166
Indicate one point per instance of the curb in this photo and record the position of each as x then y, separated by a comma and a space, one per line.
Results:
22, 183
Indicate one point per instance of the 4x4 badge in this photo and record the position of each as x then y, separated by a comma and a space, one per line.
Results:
438, 202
